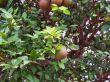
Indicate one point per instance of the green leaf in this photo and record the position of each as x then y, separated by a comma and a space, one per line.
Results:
63, 8
82, 66
13, 38
59, 46
91, 75
2, 41
11, 53
34, 69
67, 12
74, 27
24, 15
10, 10
54, 7
64, 60
51, 32
53, 51
55, 65
108, 8
85, 1
33, 54
7, 14
60, 80
61, 65
106, 27
46, 76
69, 81
31, 78
41, 58
25, 62
74, 47
3, 35
15, 63
9, 3
5, 66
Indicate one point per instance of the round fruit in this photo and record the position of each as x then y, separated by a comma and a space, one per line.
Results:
3, 3
62, 54
67, 2
58, 2
44, 4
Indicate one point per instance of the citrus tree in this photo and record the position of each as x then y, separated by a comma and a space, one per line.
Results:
54, 40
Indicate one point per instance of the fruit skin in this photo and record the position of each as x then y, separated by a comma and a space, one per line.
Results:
62, 54
58, 2
67, 2
3, 3
44, 4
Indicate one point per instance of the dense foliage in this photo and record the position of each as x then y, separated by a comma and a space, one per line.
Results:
32, 32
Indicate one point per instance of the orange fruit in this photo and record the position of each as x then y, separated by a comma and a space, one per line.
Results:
44, 4
62, 54
67, 2
58, 2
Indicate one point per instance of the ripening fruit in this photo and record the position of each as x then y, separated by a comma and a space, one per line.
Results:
3, 3
44, 4
62, 54
67, 2
58, 2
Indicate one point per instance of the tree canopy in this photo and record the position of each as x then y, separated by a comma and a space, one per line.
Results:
54, 40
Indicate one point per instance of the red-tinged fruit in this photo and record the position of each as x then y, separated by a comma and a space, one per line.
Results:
62, 54
57, 2
44, 4
67, 2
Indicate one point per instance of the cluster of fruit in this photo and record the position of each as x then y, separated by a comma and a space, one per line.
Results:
44, 4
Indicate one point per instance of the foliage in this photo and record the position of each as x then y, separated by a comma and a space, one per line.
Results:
30, 38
